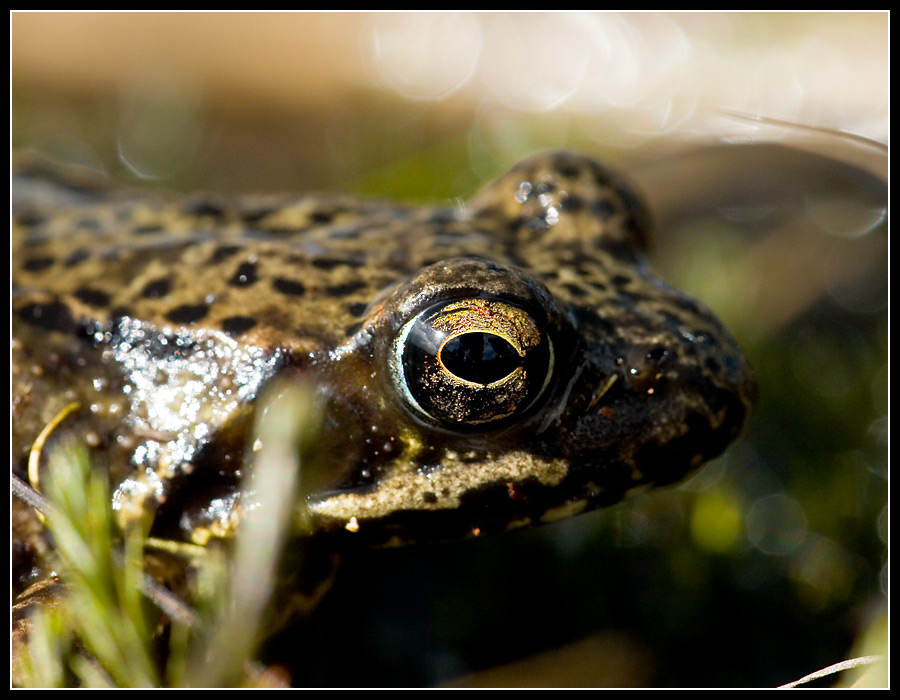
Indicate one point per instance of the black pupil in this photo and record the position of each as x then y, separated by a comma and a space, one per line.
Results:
479, 357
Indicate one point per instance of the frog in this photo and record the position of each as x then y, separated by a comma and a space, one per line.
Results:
478, 368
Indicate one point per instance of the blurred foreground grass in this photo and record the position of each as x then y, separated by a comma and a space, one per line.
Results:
98, 627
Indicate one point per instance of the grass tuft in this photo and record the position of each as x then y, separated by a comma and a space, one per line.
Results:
101, 629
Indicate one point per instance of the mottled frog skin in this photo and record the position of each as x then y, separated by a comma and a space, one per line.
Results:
481, 367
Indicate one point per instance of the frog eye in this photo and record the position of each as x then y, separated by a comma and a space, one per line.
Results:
472, 362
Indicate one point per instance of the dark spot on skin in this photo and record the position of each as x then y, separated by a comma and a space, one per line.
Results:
156, 289
732, 363
223, 252
245, 275
188, 313
30, 218
601, 177
565, 168
331, 263
255, 216
712, 365
236, 325
289, 287
340, 290
587, 317
285, 230
575, 290
34, 240
327, 263
118, 313
673, 320
656, 353
585, 268
621, 280
692, 306
126, 214
54, 316
345, 234
441, 217
538, 225
357, 309
429, 497
76, 257
147, 228
204, 207
490, 212
637, 214
573, 203
632, 297
88, 224
93, 297
603, 208
37, 264
322, 217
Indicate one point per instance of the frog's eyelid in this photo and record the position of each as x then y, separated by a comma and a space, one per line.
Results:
398, 376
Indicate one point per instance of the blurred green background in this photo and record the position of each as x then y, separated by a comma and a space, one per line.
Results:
769, 564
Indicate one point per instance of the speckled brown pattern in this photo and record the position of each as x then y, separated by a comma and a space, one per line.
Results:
164, 320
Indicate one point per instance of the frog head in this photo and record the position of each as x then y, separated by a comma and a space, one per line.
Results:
554, 376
